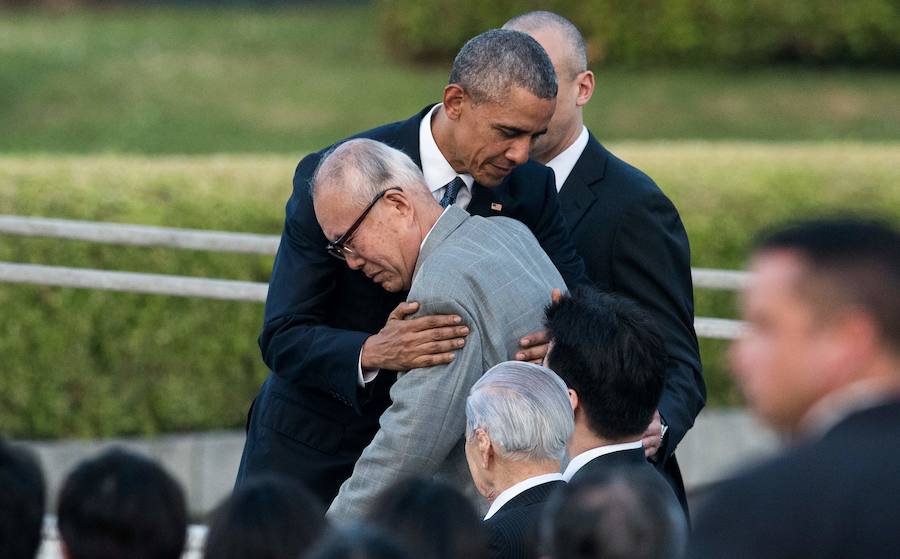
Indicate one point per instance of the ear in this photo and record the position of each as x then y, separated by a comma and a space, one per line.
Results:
454, 99
485, 448
573, 399
398, 200
585, 81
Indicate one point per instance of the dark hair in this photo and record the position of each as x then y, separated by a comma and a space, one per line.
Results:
609, 351
616, 514
266, 518
489, 64
432, 519
859, 260
22, 495
120, 504
358, 541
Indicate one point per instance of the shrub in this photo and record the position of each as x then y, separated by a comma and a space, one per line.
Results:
92, 363
642, 32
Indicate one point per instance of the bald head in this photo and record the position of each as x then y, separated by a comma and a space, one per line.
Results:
574, 59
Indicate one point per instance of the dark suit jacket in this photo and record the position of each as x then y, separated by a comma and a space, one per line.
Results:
311, 420
835, 497
633, 243
513, 530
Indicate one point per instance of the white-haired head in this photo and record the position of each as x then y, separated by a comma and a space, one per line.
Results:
524, 409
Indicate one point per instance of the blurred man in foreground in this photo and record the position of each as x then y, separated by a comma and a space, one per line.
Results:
372, 201
627, 231
820, 361
22, 494
518, 421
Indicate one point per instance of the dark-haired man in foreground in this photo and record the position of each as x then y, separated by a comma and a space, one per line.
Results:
22, 495
611, 356
820, 361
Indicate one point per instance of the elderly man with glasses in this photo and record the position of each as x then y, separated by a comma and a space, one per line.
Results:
372, 202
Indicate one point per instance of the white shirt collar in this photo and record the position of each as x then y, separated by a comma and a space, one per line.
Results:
837, 406
425, 238
512, 492
435, 167
563, 163
579, 461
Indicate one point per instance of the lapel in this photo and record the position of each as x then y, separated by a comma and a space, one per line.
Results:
407, 136
577, 194
489, 202
450, 220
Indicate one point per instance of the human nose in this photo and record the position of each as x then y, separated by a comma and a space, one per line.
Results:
353, 260
518, 151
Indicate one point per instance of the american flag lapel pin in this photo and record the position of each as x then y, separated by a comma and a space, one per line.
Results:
496, 207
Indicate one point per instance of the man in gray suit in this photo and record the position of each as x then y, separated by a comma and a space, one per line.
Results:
489, 271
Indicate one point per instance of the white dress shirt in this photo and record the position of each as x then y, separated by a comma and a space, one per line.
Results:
512, 492
436, 168
563, 163
438, 173
579, 461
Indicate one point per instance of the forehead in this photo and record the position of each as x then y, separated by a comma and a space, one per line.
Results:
519, 109
776, 280
334, 212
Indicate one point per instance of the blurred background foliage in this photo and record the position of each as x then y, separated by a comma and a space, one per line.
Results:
746, 114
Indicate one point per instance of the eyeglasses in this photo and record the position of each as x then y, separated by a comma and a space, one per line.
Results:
338, 247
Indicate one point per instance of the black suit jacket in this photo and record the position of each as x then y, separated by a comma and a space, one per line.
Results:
633, 243
311, 420
831, 498
513, 530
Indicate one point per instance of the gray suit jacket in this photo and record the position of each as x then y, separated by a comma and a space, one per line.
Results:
492, 273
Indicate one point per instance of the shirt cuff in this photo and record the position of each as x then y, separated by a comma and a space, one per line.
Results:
365, 376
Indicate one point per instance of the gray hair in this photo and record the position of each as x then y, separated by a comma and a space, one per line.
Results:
489, 64
525, 410
363, 168
576, 57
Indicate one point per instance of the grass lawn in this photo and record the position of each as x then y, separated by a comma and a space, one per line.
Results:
89, 363
167, 81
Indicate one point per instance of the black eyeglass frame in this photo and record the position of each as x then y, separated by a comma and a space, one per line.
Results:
337, 247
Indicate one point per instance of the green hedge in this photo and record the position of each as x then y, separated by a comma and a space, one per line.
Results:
640, 32
91, 363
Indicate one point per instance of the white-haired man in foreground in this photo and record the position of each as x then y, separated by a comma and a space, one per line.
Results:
518, 423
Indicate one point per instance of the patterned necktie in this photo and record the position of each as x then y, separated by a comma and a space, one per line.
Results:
452, 189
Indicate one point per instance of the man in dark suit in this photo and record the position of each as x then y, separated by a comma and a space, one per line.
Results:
820, 361
518, 420
328, 330
610, 354
627, 231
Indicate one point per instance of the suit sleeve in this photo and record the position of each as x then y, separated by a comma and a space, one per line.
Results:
552, 233
295, 342
422, 425
652, 265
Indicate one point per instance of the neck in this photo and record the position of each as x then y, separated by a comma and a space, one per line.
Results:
583, 440
511, 473
443, 137
567, 141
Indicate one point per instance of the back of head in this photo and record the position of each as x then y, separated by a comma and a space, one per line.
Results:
525, 410
492, 63
609, 351
616, 514
358, 541
541, 22
431, 519
849, 263
22, 496
121, 505
266, 518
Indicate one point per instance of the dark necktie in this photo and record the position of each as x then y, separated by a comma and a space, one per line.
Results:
452, 189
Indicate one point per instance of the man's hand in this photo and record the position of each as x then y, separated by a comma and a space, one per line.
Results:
652, 437
534, 346
418, 342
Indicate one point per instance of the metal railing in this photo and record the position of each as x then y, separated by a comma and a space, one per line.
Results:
220, 241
